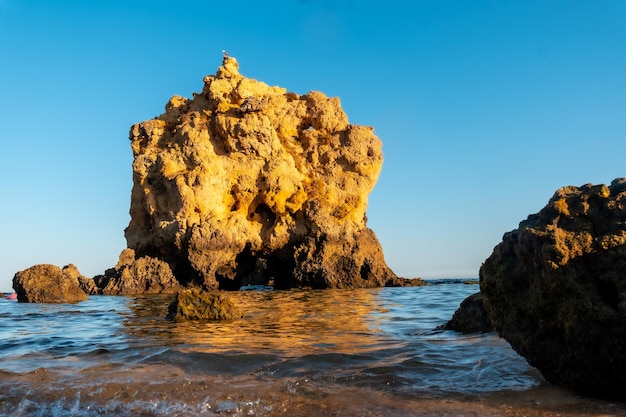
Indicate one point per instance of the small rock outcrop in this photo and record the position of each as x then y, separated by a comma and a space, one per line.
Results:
194, 304
555, 289
470, 317
250, 183
132, 276
45, 283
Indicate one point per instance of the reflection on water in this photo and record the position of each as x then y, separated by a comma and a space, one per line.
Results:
295, 353
285, 323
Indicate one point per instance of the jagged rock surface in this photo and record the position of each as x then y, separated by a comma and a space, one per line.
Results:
132, 276
45, 283
251, 183
556, 289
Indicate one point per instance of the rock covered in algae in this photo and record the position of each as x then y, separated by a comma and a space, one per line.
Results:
248, 183
194, 304
555, 288
45, 283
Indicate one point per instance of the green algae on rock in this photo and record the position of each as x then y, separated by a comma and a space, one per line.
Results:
194, 304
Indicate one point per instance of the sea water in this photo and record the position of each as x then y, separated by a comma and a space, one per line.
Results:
366, 352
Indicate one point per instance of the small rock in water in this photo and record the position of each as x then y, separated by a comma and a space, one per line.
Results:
195, 304
47, 283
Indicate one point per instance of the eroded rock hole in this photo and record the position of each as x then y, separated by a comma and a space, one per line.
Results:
231, 277
609, 293
263, 214
186, 274
233, 194
366, 270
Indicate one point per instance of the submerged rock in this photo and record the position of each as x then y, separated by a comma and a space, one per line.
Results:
45, 283
194, 304
470, 317
251, 183
555, 288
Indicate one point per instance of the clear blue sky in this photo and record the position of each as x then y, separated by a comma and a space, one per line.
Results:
484, 108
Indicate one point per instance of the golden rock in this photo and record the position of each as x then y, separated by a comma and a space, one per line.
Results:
248, 183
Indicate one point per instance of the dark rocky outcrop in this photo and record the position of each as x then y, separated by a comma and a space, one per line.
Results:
47, 283
131, 276
470, 317
194, 304
555, 288
250, 183
88, 285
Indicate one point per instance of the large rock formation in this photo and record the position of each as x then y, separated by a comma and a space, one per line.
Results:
555, 288
45, 283
247, 183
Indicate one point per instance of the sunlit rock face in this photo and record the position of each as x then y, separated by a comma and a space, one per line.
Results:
251, 184
45, 283
555, 288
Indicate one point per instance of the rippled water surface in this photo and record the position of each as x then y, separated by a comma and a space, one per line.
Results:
297, 353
